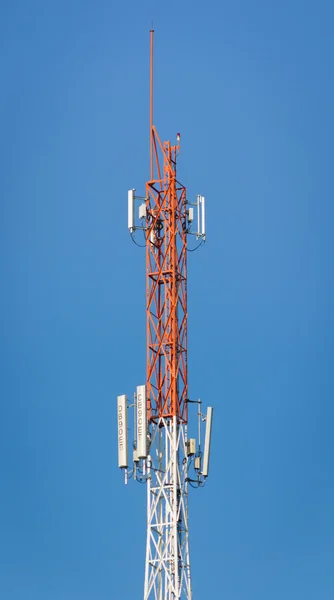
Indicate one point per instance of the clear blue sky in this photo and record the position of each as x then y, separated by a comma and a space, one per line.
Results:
250, 87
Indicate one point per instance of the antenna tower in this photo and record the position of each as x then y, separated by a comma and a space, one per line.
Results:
163, 456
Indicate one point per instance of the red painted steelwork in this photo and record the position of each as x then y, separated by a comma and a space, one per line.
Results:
166, 279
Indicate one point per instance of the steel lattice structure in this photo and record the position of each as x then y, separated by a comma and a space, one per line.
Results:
167, 571
162, 455
166, 263
167, 568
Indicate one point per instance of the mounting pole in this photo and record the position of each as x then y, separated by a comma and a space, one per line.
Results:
151, 101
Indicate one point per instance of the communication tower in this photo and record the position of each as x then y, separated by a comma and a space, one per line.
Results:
163, 456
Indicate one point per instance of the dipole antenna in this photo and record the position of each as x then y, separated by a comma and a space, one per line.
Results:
163, 457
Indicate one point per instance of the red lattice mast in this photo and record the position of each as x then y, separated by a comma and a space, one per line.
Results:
166, 279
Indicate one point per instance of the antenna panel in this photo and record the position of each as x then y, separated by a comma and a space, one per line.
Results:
131, 209
203, 217
207, 443
122, 423
141, 422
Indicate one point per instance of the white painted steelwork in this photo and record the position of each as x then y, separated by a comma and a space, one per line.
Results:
167, 570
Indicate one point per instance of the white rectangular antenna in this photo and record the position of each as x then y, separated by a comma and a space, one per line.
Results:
122, 422
131, 209
141, 422
203, 217
198, 217
207, 443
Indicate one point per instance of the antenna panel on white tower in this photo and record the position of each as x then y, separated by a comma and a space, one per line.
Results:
207, 443
141, 422
122, 423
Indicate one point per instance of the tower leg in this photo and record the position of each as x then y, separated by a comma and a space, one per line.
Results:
167, 569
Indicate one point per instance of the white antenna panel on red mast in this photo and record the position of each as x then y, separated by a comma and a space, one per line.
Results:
131, 209
203, 217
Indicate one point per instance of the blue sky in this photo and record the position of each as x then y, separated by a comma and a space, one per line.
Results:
250, 87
